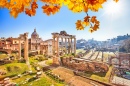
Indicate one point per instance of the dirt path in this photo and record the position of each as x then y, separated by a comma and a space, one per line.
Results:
73, 80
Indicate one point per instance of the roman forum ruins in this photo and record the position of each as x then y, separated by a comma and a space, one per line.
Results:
68, 42
24, 37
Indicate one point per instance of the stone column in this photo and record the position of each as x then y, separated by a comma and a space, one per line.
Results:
129, 60
65, 47
62, 44
71, 46
19, 48
57, 46
53, 45
26, 50
75, 46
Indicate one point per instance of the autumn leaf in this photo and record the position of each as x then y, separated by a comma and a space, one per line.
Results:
85, 23
50, 9
93, 19
85, 9
79, 25
116, 0
86, 19
34, 5
14, 13
97, 22
28, 12
53, 6
91, 30
95, 27
32, 11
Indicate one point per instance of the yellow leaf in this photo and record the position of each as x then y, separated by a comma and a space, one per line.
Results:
91, 30
14, 13
86, 23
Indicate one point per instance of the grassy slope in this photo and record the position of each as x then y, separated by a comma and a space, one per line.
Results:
43, 81
14, 69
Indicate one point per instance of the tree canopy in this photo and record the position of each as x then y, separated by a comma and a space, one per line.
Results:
53, 6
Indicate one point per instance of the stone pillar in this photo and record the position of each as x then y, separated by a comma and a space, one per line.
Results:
75, 46
129, 60
62, 44
53, 45
71, 46
57, 46
26, 50
65, 47
119, 61
19, 48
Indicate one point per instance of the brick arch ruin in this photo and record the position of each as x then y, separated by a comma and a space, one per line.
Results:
123, 59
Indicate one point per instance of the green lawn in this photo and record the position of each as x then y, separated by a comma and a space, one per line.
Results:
13, 69
43, 81
49, 61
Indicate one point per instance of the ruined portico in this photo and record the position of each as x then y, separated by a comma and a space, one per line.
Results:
24, 37
67, 42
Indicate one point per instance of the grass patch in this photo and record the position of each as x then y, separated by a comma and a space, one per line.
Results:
109, 72
32, 60
98, 78
49, 61
2, 56
22, 79
13, 69
43, 81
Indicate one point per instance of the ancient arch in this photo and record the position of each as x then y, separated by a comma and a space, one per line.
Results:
123, 58
115, 61
125, 62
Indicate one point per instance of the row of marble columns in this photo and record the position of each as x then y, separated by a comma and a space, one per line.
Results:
70, 44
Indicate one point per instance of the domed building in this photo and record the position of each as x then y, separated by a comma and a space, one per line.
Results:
35, 41
34, 35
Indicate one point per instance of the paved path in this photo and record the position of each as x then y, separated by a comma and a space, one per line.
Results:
42, 63
122, 81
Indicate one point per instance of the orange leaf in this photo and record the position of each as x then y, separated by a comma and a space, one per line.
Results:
79, 25
95, 27
86, 19
93, 19
50, 9
28, 12
116, 0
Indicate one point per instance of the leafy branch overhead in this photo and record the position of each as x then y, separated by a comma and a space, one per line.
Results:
53, 6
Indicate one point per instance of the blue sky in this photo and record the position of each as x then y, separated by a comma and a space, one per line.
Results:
112, 23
